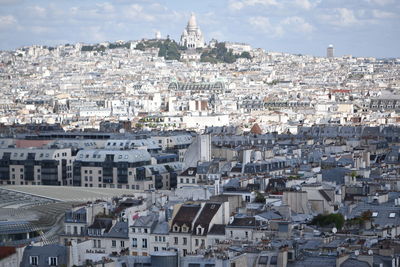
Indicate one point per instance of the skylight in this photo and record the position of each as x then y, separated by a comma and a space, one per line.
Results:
374, 214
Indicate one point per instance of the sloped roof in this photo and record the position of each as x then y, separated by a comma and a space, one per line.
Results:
256, 129
186, 215
206, 215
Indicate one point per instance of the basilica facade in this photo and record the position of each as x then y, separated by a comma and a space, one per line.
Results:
192, 37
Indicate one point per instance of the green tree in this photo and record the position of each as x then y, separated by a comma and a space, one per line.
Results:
259, 198
336, 219
246, 55
140, 46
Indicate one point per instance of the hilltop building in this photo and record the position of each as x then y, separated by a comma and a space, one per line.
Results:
192, 37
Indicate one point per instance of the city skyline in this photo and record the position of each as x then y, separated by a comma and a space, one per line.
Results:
360, 28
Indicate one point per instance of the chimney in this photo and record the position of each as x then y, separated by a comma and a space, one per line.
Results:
342, 257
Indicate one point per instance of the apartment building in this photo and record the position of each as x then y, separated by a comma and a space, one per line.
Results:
25, 166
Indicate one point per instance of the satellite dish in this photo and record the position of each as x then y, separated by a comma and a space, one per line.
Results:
334, 230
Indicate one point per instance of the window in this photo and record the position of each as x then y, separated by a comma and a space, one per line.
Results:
185, 241
33, 260
163, 238
155, 248
196, 242
144, 243
133, 230
122, 244
145, 230
175, 240
156, 238
274, 260
113, 243
134, 242
53, 261
263, 260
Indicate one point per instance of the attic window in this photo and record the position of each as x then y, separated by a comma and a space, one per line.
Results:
392, 215
176, 228
375, 214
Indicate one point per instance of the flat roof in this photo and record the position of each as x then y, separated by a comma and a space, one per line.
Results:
71, 193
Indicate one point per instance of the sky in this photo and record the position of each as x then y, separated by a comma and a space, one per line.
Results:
363, 28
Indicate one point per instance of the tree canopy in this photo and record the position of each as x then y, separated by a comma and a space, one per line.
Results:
330, 219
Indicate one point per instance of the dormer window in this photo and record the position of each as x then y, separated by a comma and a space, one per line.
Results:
176, 228
34, 260
199, 230
53, 261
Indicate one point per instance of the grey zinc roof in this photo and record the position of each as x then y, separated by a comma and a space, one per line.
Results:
120, 230
145, 221
43, 253
161, 228
270, 215
383, 211
93, 155
314, 262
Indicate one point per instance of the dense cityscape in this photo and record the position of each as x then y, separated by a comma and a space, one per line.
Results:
188, 153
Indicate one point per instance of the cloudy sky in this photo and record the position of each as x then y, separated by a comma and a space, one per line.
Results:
357, 27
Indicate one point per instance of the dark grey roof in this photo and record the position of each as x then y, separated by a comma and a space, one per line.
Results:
43, 253
161, 228
270, 215
217, 229
119, 230
354, 263
314, 262
146, 221
382, 218
311, 245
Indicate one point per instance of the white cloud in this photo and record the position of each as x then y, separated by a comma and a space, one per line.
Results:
306, 4
341, 17
238, 5
380, 14
346, 17
94, 34
381, 2
40, 29
38, 11
137, 12
263, 24
7, 22
106, 7
299, 24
